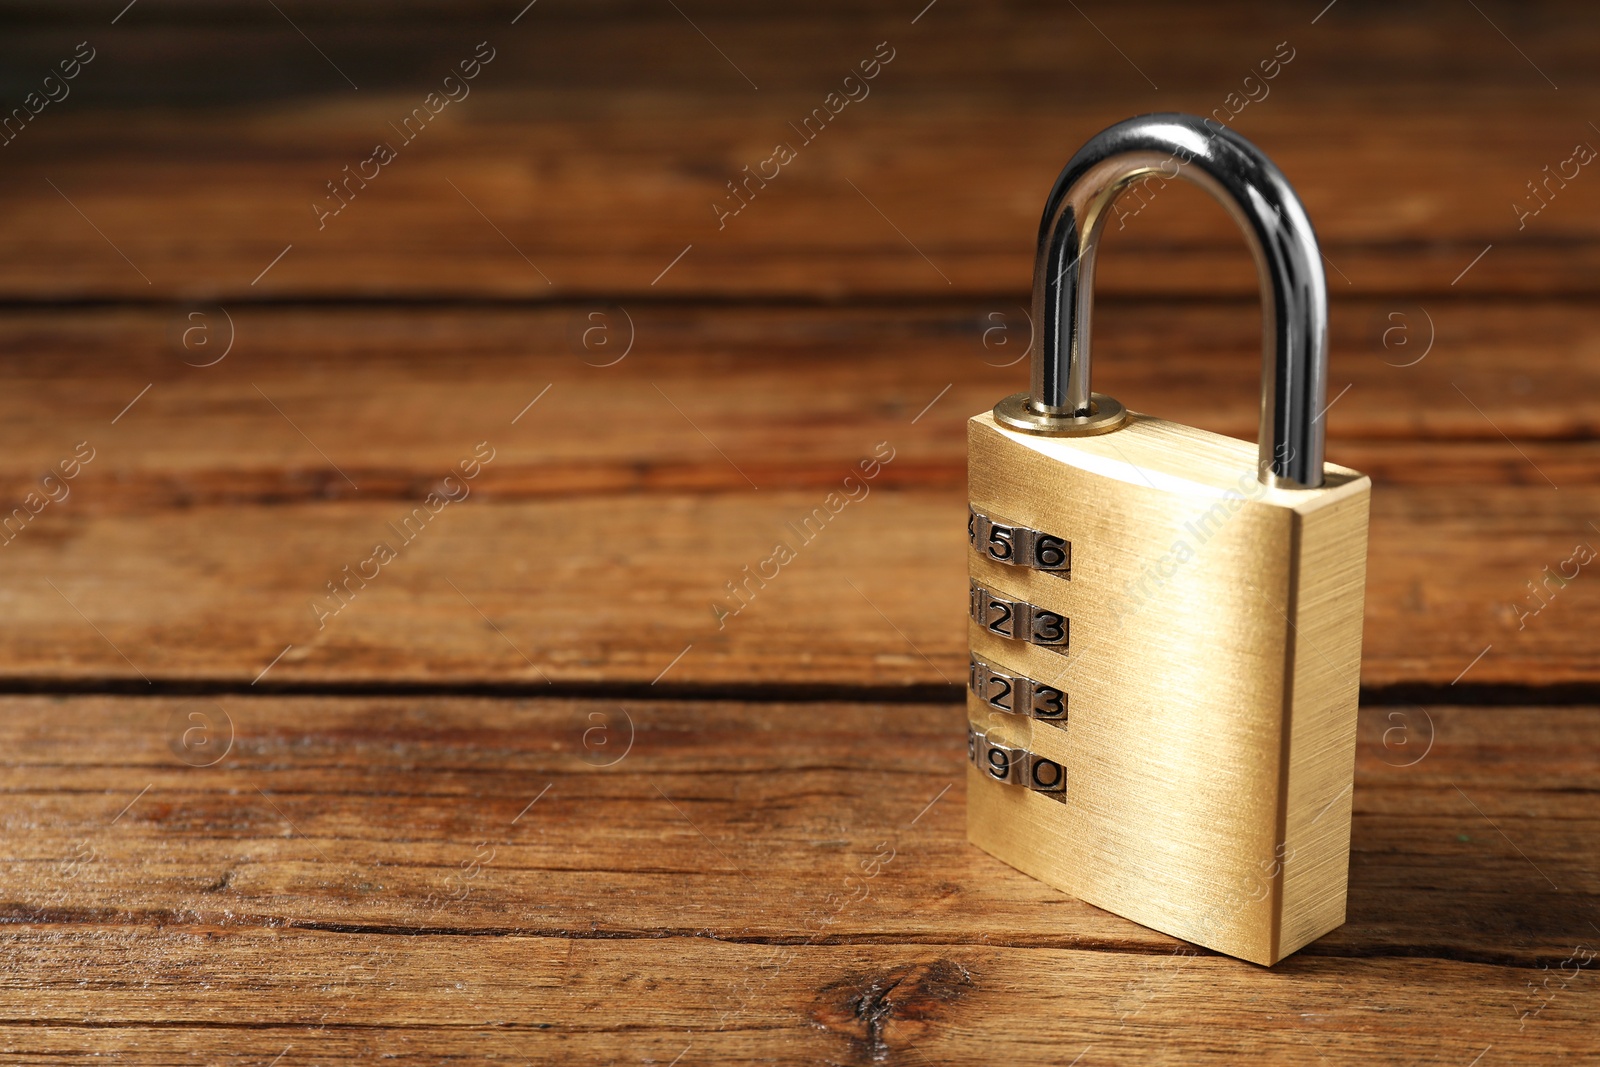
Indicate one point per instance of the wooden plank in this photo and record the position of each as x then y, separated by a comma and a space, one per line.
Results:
359, 813
608, 589
598, 146
645, 1001
422, 1001
366, 874
612, 224
395, 397
616, 589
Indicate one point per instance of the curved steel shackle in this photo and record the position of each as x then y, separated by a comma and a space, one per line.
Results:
1294, 299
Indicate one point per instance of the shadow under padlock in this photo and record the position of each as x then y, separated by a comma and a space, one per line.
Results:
1165, 622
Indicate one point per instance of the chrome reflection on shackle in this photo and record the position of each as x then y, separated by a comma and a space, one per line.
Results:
1294, 299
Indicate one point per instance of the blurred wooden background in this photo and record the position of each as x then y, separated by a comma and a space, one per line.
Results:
240, 826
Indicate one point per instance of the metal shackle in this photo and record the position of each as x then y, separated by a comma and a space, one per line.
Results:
1294, 299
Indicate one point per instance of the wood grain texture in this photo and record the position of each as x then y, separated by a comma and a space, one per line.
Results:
613, 589
598, 140
628, 913
790, 395
361, 876
618, 507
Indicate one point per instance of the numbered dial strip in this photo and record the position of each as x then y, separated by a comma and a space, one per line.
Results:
1014, 765
1015, 693
1016, 619
1019, 546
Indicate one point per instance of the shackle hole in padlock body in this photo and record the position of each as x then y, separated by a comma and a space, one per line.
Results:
1294, 301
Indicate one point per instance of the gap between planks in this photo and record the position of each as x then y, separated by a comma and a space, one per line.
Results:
1402, 694
174, 921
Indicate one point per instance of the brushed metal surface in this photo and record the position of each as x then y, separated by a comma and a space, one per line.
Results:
1212, 677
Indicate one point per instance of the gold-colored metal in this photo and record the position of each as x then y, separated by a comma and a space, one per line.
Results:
1211, 680
1105, 414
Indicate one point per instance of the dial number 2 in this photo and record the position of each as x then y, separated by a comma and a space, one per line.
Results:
1017, 619
1006, 690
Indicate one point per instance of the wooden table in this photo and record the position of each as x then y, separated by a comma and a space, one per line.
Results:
524, 793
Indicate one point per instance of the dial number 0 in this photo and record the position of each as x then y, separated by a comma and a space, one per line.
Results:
1014, 765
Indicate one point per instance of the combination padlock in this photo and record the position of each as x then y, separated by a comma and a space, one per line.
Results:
1165, 623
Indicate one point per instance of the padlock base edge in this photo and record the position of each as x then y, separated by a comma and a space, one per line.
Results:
987, 830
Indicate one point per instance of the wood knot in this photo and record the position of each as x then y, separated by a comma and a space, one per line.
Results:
898, 1006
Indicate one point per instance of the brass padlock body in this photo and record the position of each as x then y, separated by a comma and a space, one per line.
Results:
1211, 680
